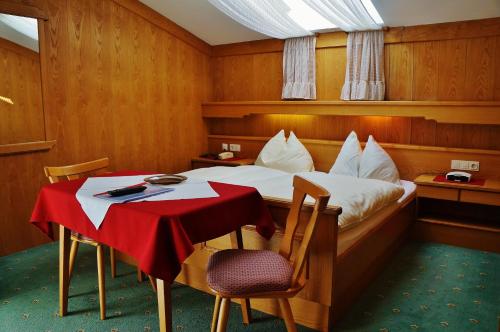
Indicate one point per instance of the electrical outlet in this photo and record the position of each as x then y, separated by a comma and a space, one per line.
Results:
474, 166
224, 146
235, 147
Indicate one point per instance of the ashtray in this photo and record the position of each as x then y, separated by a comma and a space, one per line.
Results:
165, 179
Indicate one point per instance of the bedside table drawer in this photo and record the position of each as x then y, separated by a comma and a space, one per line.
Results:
438, 193
480, 197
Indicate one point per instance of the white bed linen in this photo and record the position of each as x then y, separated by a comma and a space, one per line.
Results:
359, 198
348, 237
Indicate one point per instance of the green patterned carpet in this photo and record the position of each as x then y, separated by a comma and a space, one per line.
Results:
427, 287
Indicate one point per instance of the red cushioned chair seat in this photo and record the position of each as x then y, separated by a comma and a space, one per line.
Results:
241, 272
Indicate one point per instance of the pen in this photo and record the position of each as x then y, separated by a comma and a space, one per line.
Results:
134, 185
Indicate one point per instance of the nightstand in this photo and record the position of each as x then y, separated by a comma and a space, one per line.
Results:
205, 162
459, 214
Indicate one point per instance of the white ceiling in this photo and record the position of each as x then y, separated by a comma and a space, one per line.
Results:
20, 30
203, 20
396, 13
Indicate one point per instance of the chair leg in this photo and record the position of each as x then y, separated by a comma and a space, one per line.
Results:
64, 239
139, 275
100, 276
286, 312
216, 313
152, 281
223, 315
112, 261
245, 311
72, 255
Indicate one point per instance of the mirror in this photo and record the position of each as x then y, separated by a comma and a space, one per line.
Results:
21, 106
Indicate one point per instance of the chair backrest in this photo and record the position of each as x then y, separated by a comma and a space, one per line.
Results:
301, 188
72, 172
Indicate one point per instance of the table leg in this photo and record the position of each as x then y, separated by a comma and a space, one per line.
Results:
64, 244
164, 305
237, 243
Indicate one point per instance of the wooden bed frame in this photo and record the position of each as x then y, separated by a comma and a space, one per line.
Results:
336, 281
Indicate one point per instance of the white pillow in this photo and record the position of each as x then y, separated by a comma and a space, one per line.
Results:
377, 164
289, 156
347, 162
274, 147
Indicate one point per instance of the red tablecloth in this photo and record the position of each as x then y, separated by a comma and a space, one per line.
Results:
473, 181
160, 235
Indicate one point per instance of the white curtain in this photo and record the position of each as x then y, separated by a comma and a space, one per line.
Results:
364, 77
348, 15
269, 17
299, 68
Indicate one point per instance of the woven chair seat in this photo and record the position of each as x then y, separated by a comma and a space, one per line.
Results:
241, 272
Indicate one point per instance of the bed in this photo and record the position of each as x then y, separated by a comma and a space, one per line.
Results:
350, 245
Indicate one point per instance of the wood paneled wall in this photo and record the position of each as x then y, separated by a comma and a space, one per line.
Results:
20, 81
385, 129
119, 80
119, 84
452, 61
463, 65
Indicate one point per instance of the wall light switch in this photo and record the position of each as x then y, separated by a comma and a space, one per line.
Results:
455, 164
465, 165
224, 146
235, 147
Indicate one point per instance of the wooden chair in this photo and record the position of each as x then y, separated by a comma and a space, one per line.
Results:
72, 172
244, 274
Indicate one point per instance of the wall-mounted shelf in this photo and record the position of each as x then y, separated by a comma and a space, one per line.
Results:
8, 149
466, 112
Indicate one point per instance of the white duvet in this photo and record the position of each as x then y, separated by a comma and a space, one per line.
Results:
359, 198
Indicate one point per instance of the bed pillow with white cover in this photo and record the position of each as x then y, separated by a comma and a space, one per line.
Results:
347, 162
375, 163
286, 155
359, 198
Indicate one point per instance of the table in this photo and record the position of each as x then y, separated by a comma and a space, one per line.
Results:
159, 235
460, 214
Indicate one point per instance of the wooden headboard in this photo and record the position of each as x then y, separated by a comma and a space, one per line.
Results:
411, 160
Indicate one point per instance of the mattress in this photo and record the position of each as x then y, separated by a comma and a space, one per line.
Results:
360, 199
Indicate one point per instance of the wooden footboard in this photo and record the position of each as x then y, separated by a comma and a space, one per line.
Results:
362, 262
334, 282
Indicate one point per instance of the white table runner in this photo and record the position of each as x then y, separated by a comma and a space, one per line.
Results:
96, 208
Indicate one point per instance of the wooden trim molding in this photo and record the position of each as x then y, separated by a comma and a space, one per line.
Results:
20, 9
441, 31
8, 149
465, 112
411, 160
324, 40
454, 30
384, 145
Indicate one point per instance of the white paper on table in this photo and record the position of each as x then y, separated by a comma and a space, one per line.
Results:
96, 208
189, 189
